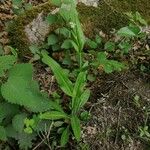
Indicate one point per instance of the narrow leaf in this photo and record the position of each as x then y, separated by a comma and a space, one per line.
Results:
84, 97
62, 79
65, 137
53, 115
75, 124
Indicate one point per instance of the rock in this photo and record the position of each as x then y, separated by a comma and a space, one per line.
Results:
37, 30
93, 3
30, 27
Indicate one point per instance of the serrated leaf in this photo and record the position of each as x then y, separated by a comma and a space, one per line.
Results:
53, 115
21, 89
3, 135
6, 62
75, 124
62, 79
65, 137
8, 110
18, 122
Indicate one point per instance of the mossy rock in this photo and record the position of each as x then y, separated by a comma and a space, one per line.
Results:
142, 6
105, 17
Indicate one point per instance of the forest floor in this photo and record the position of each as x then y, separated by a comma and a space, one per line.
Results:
119, 104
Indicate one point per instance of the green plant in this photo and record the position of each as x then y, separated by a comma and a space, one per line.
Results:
78, 96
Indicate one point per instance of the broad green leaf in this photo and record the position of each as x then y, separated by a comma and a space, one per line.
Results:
51, 19
3, 135
18, 122
98, 39
108, 65
52, 39
34, 49
92, 44
21, 89
63, 31
67, 44
7, 110
101, 56
126, 31
53, 115
56, 47
65, 137
84, 97
125, 47
6, 62
75, 124
62, 79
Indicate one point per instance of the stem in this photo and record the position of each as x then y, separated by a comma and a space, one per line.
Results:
80, 59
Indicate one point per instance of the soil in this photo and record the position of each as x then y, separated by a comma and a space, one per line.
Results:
114, 114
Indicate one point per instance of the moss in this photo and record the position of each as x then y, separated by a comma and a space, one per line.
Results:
142, 6
105, 17
16, 32
101, 18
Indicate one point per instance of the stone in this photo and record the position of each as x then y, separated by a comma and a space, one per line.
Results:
93, 3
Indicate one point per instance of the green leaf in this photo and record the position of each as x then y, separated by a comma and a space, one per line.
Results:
67, 44
3, 135
75, 46
53, 115
62, 79
125, 46
101, 56
110, 46
6, 62
98, 39
84, 97
126, 31
75, 124
34, 49
108, 65
63, 31
18, 122
77, 90
21, 89
140, 19
52, 39
56, 47
7, 111
92, 44
65, 137
51, 19
56, 2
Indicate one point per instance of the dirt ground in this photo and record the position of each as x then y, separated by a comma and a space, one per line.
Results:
115, 114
